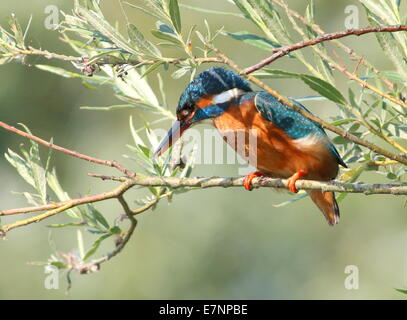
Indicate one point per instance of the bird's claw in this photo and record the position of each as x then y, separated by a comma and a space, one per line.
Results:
247, 184
293, 179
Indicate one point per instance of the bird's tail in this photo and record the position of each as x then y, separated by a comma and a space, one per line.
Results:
326, 202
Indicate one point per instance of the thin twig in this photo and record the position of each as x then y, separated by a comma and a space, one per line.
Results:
281, 52
345, 48
328, 37
65, 205
111, 60
138, 63
113, 164
133, 224
129, 233
333, 186
30, 51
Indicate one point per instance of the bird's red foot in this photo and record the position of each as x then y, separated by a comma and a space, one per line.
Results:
249, 178
291, 180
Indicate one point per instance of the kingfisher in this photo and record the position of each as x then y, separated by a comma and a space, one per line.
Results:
288, 145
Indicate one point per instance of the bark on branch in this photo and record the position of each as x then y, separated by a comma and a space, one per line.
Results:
281, 52
193, 183
264, 182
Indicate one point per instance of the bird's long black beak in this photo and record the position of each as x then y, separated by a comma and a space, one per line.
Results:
172, 136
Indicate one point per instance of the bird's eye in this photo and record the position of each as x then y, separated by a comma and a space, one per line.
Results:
185, 113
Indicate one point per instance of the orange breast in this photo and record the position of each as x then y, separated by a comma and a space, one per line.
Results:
274, 152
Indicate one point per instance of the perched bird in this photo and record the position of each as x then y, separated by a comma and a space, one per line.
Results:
288, 145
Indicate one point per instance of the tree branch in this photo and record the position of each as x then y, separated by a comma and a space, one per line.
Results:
226, 182
113, 164
281, 52
129, 233
201, 183
65, 205
107, 60
30, 51
342, 68
345, 48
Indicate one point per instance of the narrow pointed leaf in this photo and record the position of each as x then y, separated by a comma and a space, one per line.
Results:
175, 15
323, 88
254, 40
95, 246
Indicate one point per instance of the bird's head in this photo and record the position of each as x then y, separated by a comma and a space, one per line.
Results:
205, 98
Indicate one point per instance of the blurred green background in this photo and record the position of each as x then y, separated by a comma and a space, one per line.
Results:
208, 244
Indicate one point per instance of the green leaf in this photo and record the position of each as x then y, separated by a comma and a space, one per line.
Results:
165, 36
323, 88
180, 72
267, 73
63, 225
38, 173
350, 176
340, 140
393, 76
342, 121
21, 165
55, 186
109, 108
175, 15
33, 199
115, 230
299, 197
72, 75
402, 290
144, 45
394, 44
143, 10
59, 264
98, 216
99, 56
152, 68
106, 29
253, 40
95, 246
204, 10
310, 98
17, 30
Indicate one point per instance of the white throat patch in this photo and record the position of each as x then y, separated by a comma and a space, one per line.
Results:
227, 96
309, 141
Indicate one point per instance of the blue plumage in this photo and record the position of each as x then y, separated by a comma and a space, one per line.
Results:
210, 112
211, 82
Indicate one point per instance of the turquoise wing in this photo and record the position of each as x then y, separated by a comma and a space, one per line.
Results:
292, 122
